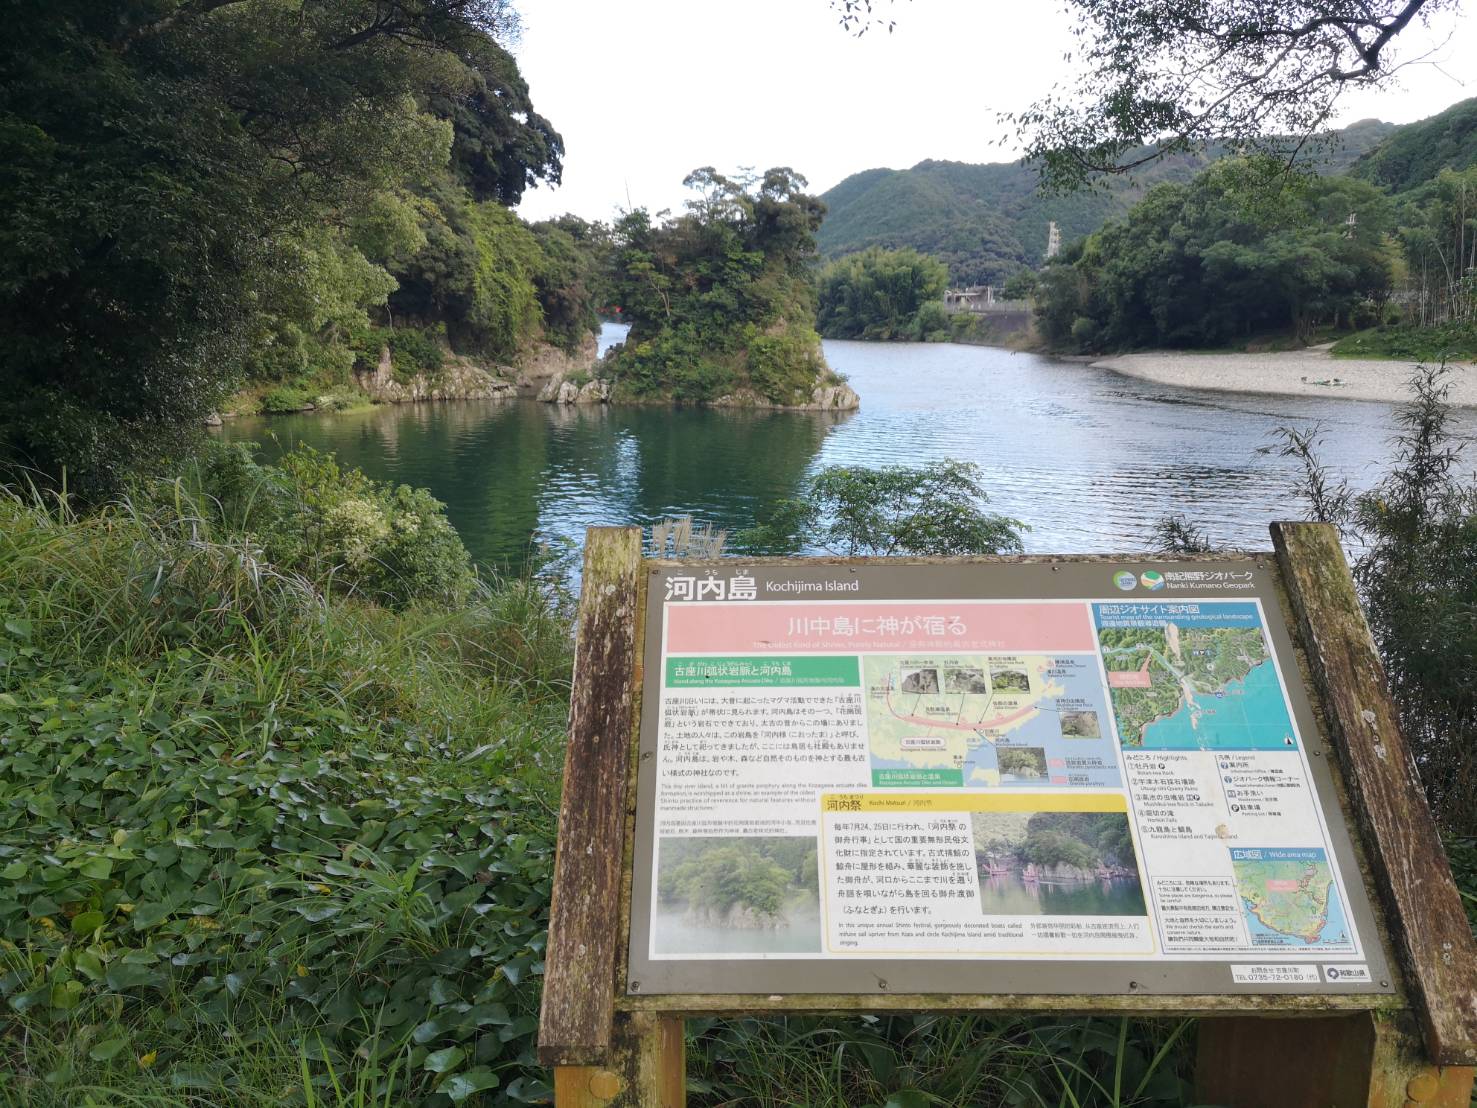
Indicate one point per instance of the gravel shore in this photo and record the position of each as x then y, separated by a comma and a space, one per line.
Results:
1310, 372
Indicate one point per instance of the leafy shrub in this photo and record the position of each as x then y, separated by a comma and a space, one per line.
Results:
1411, 343
337, 527
935, 509
416, 350
785, 367
286, 398
250, 837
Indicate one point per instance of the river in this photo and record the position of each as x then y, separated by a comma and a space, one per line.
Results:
1087, 458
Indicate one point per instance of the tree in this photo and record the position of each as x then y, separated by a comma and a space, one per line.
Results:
720, 298
1159, 77
1223, 258
169, 169
879, 294
850, 511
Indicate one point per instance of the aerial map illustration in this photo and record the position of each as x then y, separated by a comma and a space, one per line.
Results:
1192, 676
1289, 899
996, 719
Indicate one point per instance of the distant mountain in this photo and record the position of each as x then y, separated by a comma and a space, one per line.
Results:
985, 222
1415, 153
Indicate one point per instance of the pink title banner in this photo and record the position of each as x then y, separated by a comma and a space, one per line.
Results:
958, 626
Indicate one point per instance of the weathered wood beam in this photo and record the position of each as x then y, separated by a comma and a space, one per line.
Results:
1413, 877
575, 1025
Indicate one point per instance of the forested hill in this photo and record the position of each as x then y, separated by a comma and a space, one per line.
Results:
1417, 152
987, 221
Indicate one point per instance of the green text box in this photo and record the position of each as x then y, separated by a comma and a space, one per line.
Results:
923, 777
773, 673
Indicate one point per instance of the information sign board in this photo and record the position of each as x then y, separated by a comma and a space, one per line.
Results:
1029, 777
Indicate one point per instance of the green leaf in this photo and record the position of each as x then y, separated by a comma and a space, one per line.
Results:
334, 817
99, 869
89, 964
85, 923
13, 872
149, 915
462, 1085
439, 1061
124, 975
20, 628
107, 1049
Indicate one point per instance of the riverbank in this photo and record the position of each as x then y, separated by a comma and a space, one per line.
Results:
1310, 372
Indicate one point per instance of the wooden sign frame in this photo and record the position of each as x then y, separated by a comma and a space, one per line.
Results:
1415, 1048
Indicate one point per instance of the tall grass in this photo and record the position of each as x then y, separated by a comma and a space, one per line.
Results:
260, 843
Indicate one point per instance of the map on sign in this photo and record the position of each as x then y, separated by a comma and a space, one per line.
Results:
1187, 677
1289, 898
988, 719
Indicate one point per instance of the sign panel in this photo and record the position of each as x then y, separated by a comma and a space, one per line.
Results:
1047, 777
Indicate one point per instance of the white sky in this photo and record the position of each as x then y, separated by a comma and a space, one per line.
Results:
644, 91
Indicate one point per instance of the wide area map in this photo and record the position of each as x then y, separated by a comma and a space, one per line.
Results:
1190, 676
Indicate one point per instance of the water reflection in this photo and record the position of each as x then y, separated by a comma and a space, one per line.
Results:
1089, 459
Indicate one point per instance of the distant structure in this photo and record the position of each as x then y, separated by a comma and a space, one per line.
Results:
981, 300
1053, 239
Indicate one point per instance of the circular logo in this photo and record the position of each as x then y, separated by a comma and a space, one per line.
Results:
1333, 974
1152, 579
1125, 579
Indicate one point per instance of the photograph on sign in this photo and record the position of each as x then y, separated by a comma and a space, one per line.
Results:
1049, 778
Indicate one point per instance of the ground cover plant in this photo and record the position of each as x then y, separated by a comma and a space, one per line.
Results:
259, 839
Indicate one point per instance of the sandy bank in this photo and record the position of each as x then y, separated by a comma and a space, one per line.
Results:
1288, 373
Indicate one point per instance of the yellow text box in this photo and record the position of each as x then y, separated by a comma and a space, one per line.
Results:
973, 802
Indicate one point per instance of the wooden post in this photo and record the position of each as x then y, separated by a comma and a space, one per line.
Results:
645, 1068
577, 1020
1359, 1061
1432, 937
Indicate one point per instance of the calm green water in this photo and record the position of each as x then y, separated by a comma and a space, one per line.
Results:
1087, 458
1008, 895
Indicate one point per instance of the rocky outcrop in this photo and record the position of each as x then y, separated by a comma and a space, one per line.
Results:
543, 365
560, 391
838, 397
461, 378
457, 379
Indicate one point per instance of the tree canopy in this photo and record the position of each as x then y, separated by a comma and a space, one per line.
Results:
883, 294
721, 298
1223, 258
1167, 76
176, 174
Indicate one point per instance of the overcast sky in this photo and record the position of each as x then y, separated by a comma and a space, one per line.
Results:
644, 91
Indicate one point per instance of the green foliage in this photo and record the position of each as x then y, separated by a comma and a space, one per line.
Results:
475, 274
500, 145
1408, 343
338, 528
850, 510
720, 298
1416, 531
415, 350
987, 223
1157, 78
572, 282
916, 1061
718, 875
883, 294
254, 842
285, 398
1221, 258
1020, 286
786, 366
175, 179
1417, 152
